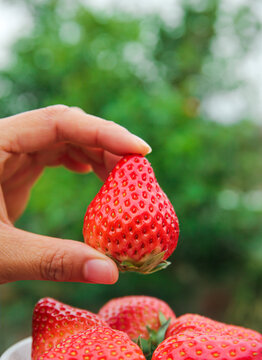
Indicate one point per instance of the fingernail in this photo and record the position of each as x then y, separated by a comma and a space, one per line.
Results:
99, 271
142, 142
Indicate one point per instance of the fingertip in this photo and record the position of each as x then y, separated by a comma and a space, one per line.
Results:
144, 146
149, 150
100, 271
116, 273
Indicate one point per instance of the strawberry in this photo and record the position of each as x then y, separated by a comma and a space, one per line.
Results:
135, 314
96, 343
131, 219
54, 321
145, 319
199, 324
242, 333
195, 323
207, 347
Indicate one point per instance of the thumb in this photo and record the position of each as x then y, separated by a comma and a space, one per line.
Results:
27, 256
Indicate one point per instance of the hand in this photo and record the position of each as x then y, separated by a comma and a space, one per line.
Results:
52, 136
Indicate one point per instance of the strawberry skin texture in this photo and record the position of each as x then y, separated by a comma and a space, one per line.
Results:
53, 321
132, 314
96, 343
207, 347
131, 219
193, 323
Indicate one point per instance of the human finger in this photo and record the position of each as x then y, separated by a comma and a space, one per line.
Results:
36, 130
28, 256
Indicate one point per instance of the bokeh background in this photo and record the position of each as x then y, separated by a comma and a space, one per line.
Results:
184, 75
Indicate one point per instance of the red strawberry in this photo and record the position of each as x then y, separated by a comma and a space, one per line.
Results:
135, 314
53, 321
207, 347
242, 333
96, 343
195, 323
131, 219
199, 324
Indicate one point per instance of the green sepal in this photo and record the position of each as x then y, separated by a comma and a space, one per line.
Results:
145, 346
149, 345
162, 318
161, 333
152, 264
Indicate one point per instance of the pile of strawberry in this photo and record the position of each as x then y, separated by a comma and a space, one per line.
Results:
132, 221
135, 328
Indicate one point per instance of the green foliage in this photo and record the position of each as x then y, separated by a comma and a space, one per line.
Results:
145, 76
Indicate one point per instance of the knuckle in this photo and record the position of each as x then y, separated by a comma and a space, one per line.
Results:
77, 108
56, 266
110, 123
52, 115
54, 111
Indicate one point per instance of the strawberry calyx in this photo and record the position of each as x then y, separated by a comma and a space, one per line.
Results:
152, 264
156, 337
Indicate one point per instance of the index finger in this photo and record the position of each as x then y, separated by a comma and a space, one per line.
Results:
37, 129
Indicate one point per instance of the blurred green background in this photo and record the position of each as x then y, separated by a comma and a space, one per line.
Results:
168, 77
